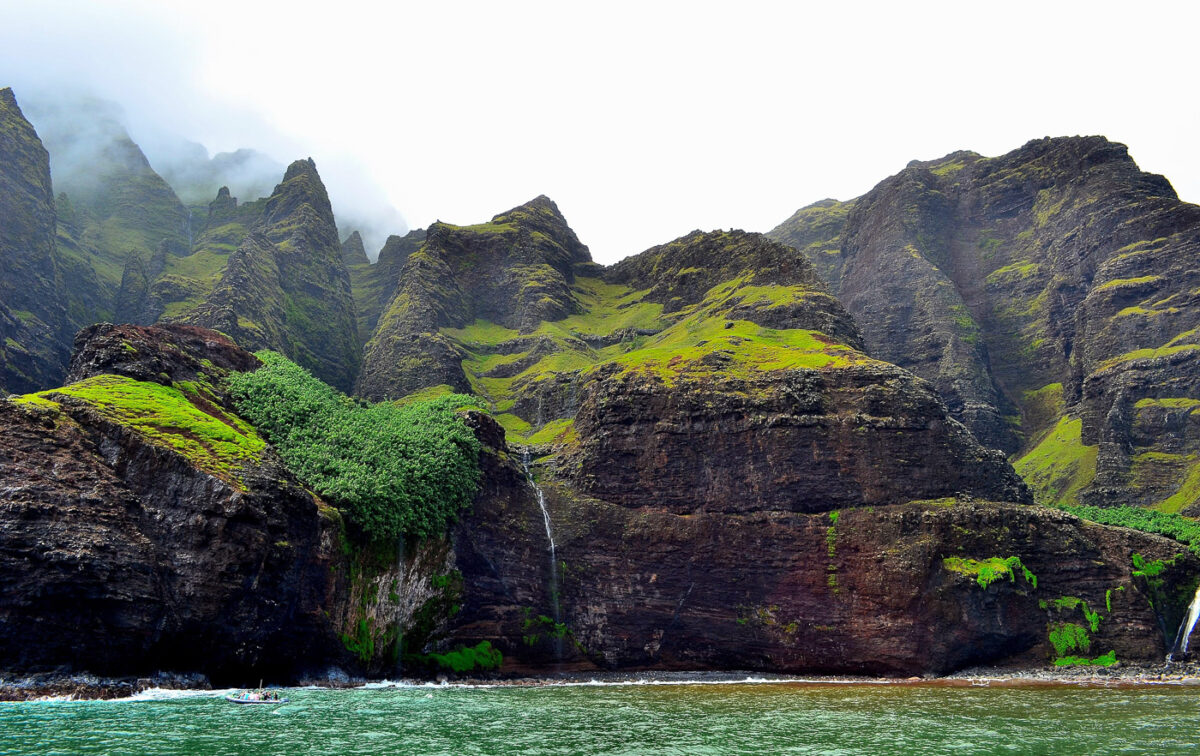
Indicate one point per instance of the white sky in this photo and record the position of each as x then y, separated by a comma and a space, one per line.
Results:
642, 120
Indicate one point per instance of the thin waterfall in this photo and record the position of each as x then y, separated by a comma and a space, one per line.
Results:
554, 605
1186, 627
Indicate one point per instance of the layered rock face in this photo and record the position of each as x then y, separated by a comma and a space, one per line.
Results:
876, 590
804, 441
146, 526
1047, 293
287, 288
33, 318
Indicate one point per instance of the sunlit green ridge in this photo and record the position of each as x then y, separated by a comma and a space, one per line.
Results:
514, 311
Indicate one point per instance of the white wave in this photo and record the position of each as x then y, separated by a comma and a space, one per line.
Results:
168, 694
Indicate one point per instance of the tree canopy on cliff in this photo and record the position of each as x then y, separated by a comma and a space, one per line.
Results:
395, 469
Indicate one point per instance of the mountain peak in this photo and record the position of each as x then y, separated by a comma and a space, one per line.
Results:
353, 251
540, 207
303, 167
301, 185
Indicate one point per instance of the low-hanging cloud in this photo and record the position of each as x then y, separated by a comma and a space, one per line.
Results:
642, 121
148, 89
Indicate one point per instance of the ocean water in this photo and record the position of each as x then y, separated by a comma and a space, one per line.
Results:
763, 718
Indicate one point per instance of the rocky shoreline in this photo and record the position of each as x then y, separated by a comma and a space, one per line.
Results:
88, 687
81, 687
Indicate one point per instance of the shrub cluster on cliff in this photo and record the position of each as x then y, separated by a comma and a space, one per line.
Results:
395, 469
1178, 527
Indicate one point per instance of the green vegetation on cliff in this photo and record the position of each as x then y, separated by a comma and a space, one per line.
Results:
1182, 529
397, 469
181, 418
286, 287
987, 253
35, 334
1060, 465
724, 303
988, 571
481, 657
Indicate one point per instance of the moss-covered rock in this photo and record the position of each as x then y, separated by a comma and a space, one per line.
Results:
515, 271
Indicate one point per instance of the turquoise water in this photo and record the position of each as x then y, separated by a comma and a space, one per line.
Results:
624, 719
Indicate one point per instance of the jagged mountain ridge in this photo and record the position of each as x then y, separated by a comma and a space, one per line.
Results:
127, 249
735, 479
994, 297
112, 204
1050, 296
374, 284
286, 287
726, 338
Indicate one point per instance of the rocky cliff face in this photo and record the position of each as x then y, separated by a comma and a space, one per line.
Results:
287, 288
891, 590
862, 592
33, 318
374, 284
146, 527
515, 271
1046, 293
800, 440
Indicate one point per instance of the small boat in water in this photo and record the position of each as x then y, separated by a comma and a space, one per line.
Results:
256, 697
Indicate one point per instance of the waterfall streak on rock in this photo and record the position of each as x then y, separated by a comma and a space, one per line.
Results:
1185, 629
554, 604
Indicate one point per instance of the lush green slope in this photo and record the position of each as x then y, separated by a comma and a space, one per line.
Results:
740, 318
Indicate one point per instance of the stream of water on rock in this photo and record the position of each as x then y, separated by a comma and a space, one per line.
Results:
1185, 629
554, 603
736, 718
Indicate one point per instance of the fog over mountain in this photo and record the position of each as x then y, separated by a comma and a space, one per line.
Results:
148, 90
642, 123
